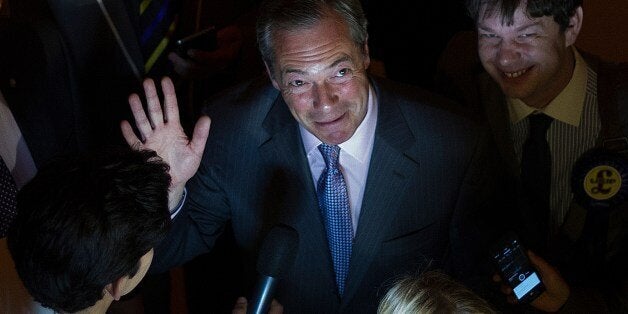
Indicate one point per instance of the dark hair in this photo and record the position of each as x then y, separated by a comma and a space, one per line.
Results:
560, 10
85, 221
281, 15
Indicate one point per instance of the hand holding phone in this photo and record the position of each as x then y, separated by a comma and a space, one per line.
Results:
557, 290
516, 269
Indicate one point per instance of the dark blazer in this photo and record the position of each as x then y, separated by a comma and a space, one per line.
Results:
423, 182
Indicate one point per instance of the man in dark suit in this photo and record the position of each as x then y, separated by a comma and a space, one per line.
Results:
531, 72
410, 173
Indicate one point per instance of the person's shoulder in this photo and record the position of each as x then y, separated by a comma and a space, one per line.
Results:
418, 100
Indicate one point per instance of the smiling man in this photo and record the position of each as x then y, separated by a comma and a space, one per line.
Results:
548, 104
375, 178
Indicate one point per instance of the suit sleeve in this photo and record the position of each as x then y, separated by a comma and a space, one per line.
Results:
202, 218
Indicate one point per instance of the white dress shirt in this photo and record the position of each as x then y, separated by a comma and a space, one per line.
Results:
13, 149
354, 160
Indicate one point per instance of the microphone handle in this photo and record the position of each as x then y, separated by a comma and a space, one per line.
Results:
262, 295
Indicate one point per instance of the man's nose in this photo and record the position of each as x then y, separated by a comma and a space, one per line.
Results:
508, 53
323, 94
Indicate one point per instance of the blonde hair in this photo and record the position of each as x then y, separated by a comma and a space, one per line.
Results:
431, 292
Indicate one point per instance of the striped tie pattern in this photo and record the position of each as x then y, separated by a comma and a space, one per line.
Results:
333, 201
158, 21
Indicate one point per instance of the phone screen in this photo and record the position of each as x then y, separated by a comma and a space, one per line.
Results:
516, 269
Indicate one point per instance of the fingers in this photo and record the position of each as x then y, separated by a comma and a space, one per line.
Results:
496, 277
141, 121
153, 105
199, 137
275, 308
129, 135
240, 306
171, 109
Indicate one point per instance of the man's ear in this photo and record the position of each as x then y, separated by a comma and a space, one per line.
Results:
271, 76
573, 29
367, 55
116, 288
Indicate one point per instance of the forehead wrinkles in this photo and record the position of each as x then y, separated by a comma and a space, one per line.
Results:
298, 52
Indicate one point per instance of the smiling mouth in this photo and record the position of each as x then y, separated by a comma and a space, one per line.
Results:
515, 74
332, 121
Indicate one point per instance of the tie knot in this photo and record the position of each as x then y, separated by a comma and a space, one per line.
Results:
539, 123
330, 154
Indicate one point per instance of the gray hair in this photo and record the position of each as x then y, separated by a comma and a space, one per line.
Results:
287, 15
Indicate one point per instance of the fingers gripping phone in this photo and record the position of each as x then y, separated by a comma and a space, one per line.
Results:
203, 40
516, 269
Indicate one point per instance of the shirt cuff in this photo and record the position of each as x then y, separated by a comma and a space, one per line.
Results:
177, 209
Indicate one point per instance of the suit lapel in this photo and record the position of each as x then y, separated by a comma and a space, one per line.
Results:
282, 145
496, 112
391, 160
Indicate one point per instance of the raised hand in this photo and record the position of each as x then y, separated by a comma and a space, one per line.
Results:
161, 131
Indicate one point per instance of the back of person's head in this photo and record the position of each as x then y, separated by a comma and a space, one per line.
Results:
286, 15
560, 10
85, 221
431, 292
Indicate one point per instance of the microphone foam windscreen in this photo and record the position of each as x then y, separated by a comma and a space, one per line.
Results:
278, 251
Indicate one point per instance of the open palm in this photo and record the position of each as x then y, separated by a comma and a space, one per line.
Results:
161, 131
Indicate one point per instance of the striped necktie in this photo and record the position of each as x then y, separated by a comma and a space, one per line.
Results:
158, 21
333, 200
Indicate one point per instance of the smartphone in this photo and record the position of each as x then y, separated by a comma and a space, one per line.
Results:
203, 40
516, 269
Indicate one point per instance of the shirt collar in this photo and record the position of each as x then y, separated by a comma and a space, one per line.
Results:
358, 145
567, 106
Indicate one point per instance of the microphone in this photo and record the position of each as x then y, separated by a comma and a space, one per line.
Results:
277, 255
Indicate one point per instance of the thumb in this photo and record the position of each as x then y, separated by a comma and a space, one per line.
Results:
201, 132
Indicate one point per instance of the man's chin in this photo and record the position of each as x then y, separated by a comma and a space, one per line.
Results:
514, 91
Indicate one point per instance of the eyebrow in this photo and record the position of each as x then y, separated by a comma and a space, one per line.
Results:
335, 63
519, 29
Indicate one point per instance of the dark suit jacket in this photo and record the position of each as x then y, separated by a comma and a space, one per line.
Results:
423, 180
